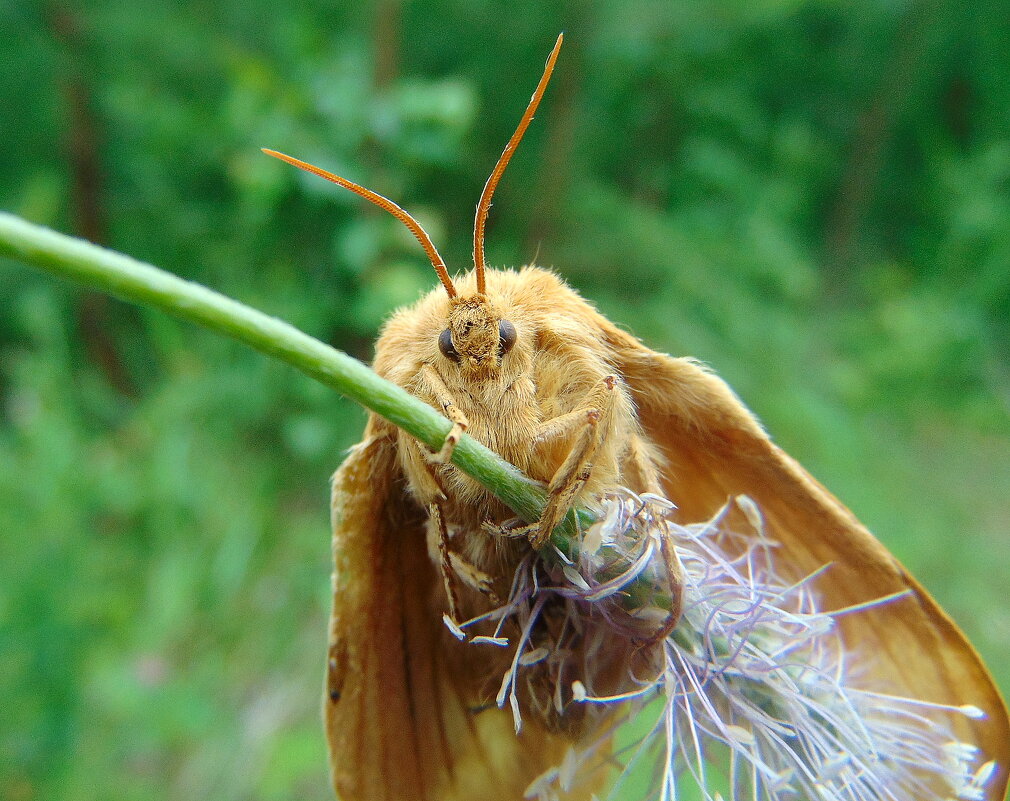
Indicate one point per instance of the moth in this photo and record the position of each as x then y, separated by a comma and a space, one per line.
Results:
518, 360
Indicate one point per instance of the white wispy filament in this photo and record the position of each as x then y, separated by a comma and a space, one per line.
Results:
753, 676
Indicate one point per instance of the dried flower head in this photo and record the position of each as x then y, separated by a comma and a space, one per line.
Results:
754, 670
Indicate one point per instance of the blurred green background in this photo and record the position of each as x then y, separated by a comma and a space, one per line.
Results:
813, 196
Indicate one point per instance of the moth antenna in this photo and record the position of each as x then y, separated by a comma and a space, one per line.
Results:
384, 203
484, 204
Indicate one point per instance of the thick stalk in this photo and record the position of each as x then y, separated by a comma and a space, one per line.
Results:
135, 281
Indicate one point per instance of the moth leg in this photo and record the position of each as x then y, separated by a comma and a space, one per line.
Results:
454, 568
642, 468
569, 479
430, 494
474, 577
510, 529
561, 426
436, 386
445, 561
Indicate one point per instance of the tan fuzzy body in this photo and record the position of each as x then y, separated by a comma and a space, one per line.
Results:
554, 368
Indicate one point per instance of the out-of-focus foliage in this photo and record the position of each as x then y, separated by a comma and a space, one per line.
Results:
812, 196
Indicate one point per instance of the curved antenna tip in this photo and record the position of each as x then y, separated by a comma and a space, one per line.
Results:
384, 203
484, 204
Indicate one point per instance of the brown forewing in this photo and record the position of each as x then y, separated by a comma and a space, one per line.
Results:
405, 704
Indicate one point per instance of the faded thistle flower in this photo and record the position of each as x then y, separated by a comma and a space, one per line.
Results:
752, 695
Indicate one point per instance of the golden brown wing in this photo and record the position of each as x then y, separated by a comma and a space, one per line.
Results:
402, 695
716, 449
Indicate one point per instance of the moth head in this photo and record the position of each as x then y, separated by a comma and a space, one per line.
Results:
477, 337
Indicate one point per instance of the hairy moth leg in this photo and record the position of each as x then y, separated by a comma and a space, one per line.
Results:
451, 565
445, 561
436, 386
571, 476
474, 577
642, 468
431, 496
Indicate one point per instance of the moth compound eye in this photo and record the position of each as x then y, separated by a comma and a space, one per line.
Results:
445, 345
506, 336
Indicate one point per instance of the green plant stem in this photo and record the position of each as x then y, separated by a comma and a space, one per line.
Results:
135, 281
